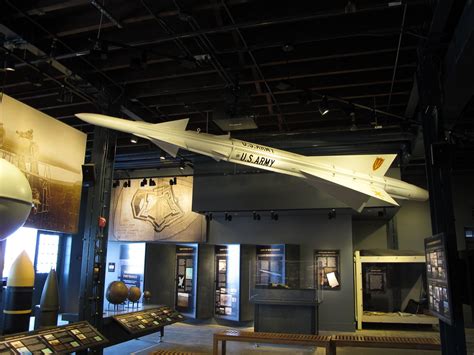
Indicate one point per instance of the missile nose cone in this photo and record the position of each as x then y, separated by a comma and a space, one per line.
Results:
50, 295
87, 117
22, 272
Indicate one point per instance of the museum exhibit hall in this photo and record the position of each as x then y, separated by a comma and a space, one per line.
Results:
237, 177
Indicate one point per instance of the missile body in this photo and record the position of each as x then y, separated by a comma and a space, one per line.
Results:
47, 314
352, 179
18, 295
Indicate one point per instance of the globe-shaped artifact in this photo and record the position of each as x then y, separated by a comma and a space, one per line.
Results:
117, 292
15, 198
134, 294
147, 295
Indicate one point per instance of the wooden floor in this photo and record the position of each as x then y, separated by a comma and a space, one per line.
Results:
198, 338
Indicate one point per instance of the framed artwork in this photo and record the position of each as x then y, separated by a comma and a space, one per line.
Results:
327, 269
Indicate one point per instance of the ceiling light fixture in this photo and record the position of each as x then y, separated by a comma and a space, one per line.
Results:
323, 106
8, 63
228, 217
332, 214
182, 165
173, 181
152, 182
133, 140
162, 157
115, 184
274, 216
143, 182
127, 183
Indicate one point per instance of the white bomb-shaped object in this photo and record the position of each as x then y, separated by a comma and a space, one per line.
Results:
15, 198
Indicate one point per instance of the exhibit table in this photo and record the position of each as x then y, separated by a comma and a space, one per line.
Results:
285, 310
122, 327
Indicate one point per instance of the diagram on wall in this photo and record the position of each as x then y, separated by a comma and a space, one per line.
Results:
439, 293
327, 266
50, 154
156, 213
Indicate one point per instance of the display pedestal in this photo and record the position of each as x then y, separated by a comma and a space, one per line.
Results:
286, 311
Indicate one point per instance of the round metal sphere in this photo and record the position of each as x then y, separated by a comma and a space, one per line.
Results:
134, 294
15, 199
117, 292
146, 295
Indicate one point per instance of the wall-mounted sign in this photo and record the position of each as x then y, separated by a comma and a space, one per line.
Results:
156, 213
439, 292
327, 267
50, 154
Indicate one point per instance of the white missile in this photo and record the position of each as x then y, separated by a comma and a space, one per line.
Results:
352, 179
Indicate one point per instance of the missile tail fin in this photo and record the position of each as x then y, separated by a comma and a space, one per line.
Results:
171, 149
178, 125
376, 165
347, 190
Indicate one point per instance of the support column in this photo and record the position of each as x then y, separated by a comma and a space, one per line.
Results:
438, 168
95, 238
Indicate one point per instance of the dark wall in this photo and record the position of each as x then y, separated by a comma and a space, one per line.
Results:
160, 260
205, 282
312, 230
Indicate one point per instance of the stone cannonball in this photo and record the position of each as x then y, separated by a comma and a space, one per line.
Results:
146, 295
117, 292
134, 294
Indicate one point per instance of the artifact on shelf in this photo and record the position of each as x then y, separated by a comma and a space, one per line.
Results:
47, 314
117, 292
134, 294
19, 295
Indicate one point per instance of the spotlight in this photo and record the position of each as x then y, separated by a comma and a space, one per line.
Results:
274, 216
162, 157
173, 181
332, 214
127, 183
143, 182
209, 217
133, 140
152, 182
323, 106
228, 217
182, 165
256, 216
116, 183
8, 64
350, 7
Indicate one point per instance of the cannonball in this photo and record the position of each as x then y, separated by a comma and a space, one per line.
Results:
117, 292
147, 295
15, 199
134, 294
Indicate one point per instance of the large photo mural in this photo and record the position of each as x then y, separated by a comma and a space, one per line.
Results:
50, 154
156, 213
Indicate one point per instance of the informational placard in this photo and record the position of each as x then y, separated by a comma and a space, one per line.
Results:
439, 293
185, 283
327, 267
58, 340
270, 265
146, 320
227, 297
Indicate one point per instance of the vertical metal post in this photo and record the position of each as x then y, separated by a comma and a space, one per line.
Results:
95, 238
438, 169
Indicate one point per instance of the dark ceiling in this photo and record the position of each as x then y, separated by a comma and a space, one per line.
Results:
273, 61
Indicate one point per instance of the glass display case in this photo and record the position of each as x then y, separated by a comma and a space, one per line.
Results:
289, 305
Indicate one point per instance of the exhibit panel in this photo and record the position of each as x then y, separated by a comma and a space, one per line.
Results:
186, 260
273, 267
231, 282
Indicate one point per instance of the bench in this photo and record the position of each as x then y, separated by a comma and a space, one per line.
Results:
365, 341
270, 338
174, 352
